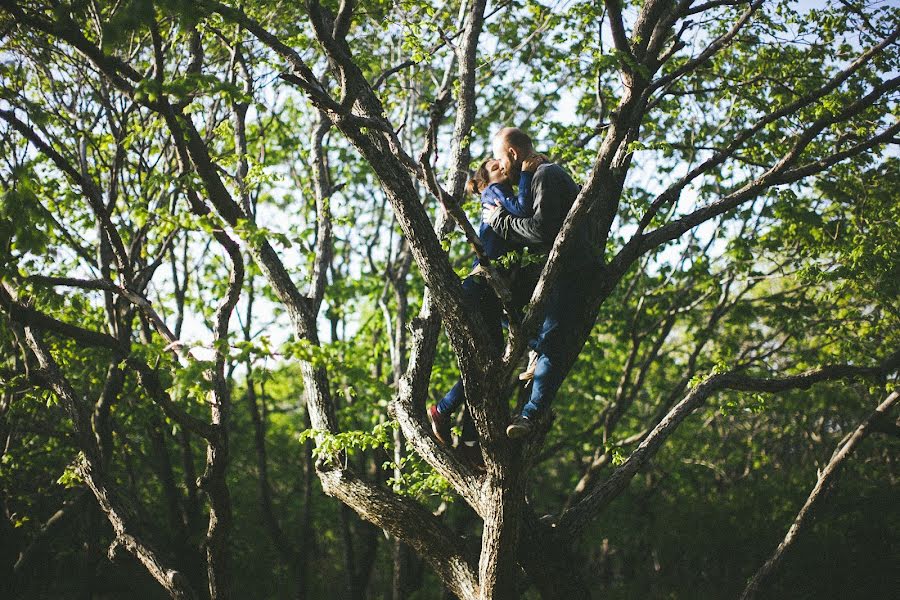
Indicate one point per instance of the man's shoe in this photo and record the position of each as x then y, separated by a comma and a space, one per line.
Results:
520, 427
440, 425
528, 373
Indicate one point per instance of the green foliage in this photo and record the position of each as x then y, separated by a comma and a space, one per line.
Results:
418, 480
349, 442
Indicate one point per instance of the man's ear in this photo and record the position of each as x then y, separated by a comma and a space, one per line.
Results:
513, 154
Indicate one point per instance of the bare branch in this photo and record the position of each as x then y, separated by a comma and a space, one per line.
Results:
386, 74
91, 191
323, 191
825, 480
301, 75
712, 4
716, 45
213, 481
777, 175
138, 300
671, 194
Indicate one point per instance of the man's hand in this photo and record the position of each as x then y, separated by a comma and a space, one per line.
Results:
495, 213
531, 163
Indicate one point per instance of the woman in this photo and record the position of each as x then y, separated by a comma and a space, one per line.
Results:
492, 184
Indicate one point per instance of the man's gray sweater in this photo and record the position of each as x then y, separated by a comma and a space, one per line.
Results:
553, 192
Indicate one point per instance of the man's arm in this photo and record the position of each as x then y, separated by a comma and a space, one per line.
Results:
520, 206
529, 230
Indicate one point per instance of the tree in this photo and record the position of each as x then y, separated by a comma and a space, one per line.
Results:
165, 131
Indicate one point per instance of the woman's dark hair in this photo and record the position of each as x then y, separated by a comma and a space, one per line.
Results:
480, 179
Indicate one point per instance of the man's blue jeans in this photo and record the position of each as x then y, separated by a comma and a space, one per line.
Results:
557, 333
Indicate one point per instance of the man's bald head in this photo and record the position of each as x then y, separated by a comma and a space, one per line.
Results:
512, 146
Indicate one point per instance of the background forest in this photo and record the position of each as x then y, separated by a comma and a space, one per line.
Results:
230, 250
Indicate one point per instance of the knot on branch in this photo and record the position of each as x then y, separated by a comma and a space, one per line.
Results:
328, 463
176, 579
115, 549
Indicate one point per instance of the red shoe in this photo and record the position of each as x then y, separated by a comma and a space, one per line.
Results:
440, 425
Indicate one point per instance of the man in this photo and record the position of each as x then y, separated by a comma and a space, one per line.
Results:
553, 193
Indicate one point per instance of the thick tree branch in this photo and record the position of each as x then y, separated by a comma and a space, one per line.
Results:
343, 19
693, 10
617, 26
411, 522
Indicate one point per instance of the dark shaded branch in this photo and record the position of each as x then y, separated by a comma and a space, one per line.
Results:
69, 510
343, 19
573, 521
90, 469
30, 317
149, 380
107, 285
824, 481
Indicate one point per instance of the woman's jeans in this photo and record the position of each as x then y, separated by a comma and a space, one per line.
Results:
478, 296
